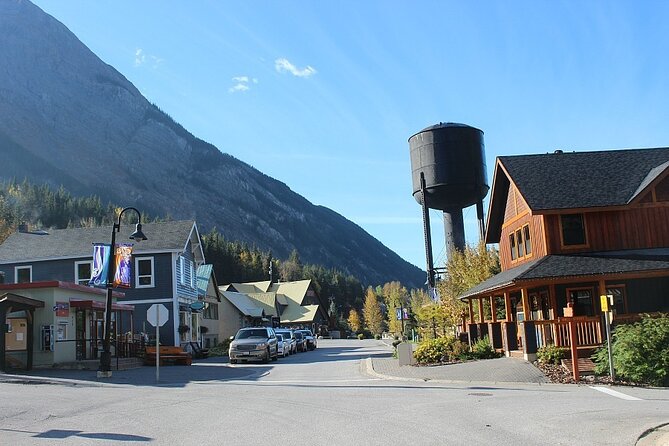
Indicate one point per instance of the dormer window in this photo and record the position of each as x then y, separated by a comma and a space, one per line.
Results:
512, 244
528, 240
573, 229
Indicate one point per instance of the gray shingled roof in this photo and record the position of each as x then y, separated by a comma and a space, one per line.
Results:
573, 180
77, 242
561, 266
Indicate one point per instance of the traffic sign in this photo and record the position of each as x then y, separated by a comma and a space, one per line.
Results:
157, 314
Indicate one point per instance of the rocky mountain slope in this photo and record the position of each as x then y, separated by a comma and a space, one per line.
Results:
68, 118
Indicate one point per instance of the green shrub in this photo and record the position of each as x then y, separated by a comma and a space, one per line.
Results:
361, 336
482, 349
437, 350
377, 336
551, 354
640, 352
221, 349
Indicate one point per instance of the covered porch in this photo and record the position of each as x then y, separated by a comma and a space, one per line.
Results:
16, 333
555, 300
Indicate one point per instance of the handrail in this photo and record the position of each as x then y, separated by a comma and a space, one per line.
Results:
588, 331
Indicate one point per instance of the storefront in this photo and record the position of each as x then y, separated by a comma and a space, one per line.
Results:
55, 323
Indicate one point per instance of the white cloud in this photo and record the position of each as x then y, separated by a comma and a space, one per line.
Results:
283, 65
244, 79
141, 58
238, 87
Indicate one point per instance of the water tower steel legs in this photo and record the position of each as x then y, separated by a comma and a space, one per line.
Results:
454, 230
479, 215
427, 233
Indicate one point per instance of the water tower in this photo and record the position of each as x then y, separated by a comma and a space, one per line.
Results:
449, 174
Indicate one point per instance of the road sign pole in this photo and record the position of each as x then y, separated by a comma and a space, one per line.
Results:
157, 344
609, 346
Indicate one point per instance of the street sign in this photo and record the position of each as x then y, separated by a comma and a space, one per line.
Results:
157, 314
604, 301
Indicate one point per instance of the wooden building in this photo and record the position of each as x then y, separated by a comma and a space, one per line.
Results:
572, 227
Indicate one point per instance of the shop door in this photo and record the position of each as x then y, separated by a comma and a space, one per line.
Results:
80, 334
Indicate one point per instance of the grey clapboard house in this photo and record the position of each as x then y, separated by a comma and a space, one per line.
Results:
164, 268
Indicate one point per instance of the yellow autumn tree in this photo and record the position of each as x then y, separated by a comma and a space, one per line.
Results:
371, 311
354, 321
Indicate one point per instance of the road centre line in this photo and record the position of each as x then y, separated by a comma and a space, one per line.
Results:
612, 392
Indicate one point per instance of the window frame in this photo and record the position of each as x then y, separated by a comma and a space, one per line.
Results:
513, 245
592, 297
585, 232
153, 272
520, 243
22, 267
78, 279
182, 270
624, 293
527, 236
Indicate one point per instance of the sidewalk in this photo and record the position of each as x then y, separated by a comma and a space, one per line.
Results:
500, 370
210, 369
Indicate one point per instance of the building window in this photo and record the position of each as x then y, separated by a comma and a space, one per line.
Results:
144, 278
619, 300
211, 312
573, 229
528, 241
512, 244
519, 241
581, 300
192, 274
23, 274
82, 272
182, 271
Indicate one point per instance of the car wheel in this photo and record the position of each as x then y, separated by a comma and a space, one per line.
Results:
276, 356
233, 361
266, 358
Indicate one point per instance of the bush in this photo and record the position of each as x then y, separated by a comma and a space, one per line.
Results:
551, 354
377, 336
437, 350
221, 349
640, 352
483, 349
361, 336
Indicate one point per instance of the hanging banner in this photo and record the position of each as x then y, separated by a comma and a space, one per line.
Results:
100, 270
123, 265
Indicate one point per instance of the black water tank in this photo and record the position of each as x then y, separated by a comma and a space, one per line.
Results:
452, 158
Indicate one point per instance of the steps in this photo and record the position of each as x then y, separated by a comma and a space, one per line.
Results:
585, 365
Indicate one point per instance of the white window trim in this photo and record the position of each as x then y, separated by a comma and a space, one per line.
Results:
16, 272
77, 279
192, 275
182, 268
153, 273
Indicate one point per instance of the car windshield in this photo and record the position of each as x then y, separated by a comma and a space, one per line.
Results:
279, 337
298, 336
244, 334
284, 333
306, 333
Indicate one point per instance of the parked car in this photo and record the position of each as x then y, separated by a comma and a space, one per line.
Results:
282, 345
301, 342
257, 343
309, 338
290, 337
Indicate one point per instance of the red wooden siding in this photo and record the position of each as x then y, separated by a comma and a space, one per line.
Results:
646, 227
537, 238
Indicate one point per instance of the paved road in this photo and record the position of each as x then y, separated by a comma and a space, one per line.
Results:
324, 397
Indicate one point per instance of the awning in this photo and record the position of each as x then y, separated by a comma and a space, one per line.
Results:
19, 303
97, 305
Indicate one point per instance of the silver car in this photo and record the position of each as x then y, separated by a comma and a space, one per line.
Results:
282, 345
257, 343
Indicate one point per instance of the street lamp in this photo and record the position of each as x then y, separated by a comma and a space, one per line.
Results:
137, 236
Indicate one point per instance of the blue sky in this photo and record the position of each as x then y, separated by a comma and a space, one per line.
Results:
324, 95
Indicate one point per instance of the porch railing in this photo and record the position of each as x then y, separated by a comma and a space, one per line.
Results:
557, 332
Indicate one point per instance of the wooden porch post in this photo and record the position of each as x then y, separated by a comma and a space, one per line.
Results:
481, 318
602, 291
507, 307
30, 338
493, 308
3, 319
471, 311
526, 304
552, 298
573, 340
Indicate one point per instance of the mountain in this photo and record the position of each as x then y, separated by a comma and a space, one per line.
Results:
67, 118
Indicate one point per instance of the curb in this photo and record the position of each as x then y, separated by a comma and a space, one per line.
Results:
656, 436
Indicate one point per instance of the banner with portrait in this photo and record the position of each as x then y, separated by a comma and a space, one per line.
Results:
122, 265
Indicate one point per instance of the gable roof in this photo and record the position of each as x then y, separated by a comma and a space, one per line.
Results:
568, 266
294, 291
574, 180
295, 314
77, 242
267, 301
243, 303
250, 287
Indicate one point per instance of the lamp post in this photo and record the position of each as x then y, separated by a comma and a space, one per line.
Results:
137, 236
